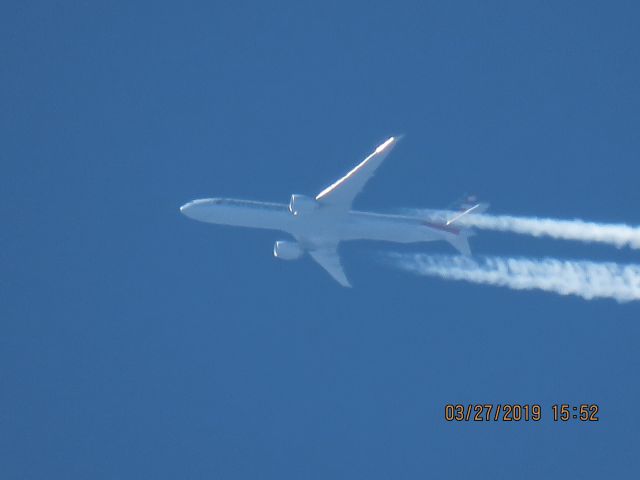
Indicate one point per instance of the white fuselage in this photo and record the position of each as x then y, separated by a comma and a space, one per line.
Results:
320, 225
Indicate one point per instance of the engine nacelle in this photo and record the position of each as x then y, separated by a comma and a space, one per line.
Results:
287, 250
301, 204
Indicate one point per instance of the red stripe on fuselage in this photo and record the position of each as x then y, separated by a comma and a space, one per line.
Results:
444, 228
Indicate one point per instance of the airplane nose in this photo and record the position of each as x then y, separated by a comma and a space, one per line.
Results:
195, 209
185, 208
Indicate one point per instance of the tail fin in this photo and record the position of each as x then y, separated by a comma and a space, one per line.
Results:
461, 242
468, 204
465, 202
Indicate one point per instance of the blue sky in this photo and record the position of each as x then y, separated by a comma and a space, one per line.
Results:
135, 343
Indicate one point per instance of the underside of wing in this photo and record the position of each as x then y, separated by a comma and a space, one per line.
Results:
328, 259
340, 195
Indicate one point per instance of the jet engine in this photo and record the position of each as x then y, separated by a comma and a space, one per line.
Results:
287, 250
301, 204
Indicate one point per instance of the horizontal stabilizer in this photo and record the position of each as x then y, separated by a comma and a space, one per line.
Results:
466, 205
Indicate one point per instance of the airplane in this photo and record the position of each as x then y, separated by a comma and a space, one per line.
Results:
319, 224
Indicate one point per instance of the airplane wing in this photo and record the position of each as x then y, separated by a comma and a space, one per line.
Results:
340, 195
329, 260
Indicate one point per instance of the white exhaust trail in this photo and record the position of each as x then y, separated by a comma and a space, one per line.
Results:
620, 235
585, 279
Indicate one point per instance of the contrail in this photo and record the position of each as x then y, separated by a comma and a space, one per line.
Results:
619, 235
585, 279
